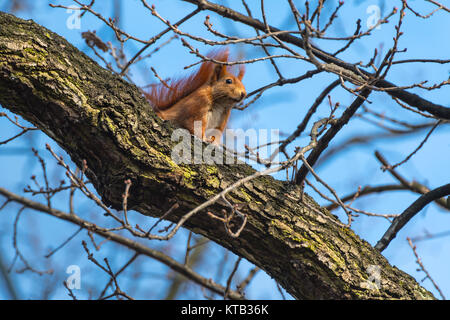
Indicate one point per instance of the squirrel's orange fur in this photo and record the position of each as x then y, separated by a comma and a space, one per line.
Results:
207, 96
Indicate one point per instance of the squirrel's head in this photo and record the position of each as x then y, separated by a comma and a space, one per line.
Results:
226, 87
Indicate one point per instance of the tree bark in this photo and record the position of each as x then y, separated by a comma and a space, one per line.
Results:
97, 116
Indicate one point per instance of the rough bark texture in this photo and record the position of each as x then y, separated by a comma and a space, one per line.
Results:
97, 116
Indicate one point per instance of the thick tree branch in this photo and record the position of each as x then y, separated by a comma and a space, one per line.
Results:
97, 116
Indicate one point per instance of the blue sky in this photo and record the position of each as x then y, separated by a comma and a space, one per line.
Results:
281, 108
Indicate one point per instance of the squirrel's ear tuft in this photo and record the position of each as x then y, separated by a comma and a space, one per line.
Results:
219, 71
241, 72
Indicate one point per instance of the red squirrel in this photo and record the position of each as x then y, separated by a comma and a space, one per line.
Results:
206, 96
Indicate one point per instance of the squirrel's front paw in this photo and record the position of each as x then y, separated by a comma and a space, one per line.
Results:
213, 140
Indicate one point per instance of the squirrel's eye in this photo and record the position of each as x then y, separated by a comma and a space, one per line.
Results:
229, 81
